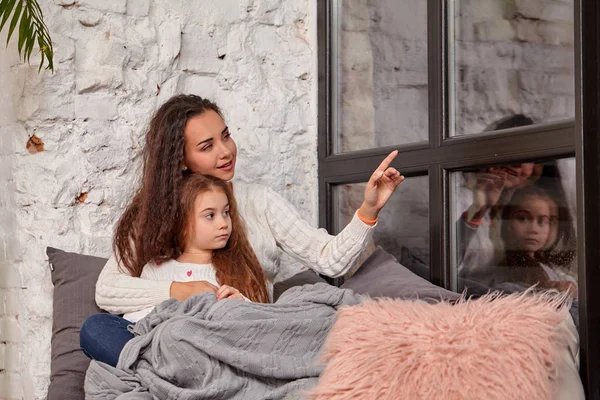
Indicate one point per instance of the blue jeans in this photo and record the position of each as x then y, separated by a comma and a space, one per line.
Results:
103, 336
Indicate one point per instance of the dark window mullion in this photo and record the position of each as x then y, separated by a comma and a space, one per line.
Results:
538, 156
457, 153
325, 214
587, 98
437, 64
438, 214
437, 71
324, 110
324, 78
361, 177
331, 220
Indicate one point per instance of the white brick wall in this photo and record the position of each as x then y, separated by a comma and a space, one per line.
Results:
256, 58
10, 279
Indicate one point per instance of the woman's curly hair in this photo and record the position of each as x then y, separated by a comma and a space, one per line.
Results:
149, 230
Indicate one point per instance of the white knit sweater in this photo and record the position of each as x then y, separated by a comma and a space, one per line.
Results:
273, 224
175, 271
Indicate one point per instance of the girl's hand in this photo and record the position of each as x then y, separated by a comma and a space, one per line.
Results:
563, 286
229, 292
380, 187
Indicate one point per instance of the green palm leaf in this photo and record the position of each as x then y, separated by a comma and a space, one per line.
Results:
28, 16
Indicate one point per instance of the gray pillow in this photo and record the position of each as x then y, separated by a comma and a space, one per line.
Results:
302, 278
74, 278
381, 275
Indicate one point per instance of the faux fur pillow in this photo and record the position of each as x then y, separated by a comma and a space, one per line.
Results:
490, 348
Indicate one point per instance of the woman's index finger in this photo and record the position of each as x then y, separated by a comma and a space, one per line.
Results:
387, 161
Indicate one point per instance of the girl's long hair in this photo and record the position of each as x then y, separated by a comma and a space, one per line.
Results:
147, 230
236, 264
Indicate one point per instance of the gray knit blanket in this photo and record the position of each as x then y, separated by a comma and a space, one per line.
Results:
204, 349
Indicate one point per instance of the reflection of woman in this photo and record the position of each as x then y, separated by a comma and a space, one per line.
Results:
477, 228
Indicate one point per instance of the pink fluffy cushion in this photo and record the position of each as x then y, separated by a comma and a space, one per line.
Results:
490, 348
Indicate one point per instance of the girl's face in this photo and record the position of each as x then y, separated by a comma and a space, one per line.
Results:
530, 224
209, 148
210, 223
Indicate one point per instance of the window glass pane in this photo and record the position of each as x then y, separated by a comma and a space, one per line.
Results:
403, 226
515, 227
379, 73
513, 63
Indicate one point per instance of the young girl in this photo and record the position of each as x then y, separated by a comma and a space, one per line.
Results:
212, 246
529, 232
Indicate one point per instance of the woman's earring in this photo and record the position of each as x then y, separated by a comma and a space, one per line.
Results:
184, 168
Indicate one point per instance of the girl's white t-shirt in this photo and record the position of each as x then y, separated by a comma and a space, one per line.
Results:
174, 271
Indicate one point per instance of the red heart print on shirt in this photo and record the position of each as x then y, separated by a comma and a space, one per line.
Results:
189, 273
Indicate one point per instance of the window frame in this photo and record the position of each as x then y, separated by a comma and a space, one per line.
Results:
587, 126
540, 141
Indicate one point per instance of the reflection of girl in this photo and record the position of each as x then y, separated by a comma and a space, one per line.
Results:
479, 239
529, 232
491, 189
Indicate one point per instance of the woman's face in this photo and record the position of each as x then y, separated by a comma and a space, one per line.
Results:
209, 148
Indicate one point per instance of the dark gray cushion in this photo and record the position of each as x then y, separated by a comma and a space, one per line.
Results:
414, 263
302, 278
74, 278
381, 275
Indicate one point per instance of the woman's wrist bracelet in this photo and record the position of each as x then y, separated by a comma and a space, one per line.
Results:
472, 222
366, 221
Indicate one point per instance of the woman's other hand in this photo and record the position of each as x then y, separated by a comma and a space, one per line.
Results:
229, 292
184, 290
486, 193
495, 186
380, 187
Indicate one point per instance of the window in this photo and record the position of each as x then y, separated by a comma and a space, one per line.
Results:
473, 94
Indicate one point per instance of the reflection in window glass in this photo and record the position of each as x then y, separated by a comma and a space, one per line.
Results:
403, 226
380, 73
511, 58
515, 227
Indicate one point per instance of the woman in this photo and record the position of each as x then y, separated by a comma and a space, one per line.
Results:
186, 135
